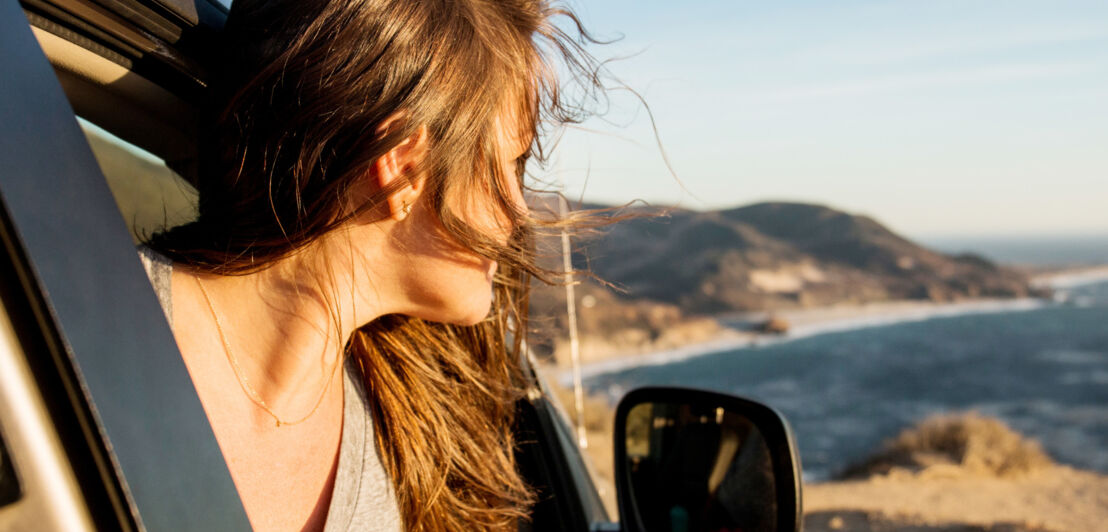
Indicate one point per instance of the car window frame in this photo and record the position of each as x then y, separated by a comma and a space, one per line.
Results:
140, 440
553, 464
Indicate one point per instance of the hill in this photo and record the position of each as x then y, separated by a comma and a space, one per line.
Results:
677, 270
770, 256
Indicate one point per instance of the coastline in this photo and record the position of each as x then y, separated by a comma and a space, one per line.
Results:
804, 323
1071, 278
807, 322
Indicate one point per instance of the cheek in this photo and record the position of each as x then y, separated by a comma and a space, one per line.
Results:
481, 210
482, 213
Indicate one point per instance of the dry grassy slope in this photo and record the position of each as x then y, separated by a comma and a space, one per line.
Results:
965, 443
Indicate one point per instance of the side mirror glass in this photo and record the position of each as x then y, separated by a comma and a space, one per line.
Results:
689, 460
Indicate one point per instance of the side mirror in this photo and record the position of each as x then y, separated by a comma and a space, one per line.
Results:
689, 460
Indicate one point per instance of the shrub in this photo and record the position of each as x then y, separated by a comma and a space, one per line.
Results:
969, 442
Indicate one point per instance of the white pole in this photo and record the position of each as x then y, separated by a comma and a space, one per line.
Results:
574, 344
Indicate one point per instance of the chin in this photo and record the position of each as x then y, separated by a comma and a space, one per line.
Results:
457, 296
475, 313
461, 311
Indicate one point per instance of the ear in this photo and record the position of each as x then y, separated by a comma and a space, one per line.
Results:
401, 164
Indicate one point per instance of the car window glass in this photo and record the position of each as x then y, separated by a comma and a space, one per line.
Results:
150, 196
9, 484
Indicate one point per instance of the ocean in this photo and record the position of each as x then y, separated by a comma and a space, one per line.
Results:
1042, 369
1053, 250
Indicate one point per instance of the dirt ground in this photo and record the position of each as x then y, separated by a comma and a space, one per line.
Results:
1057, 499
875, 522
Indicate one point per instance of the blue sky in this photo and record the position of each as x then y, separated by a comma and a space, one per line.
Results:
971, 117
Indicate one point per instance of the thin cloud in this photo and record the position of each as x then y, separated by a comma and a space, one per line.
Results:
866, 54
910, 82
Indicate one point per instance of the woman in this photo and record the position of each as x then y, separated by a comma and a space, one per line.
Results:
360, 213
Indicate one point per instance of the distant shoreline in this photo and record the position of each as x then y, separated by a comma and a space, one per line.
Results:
804, 323
1071, 278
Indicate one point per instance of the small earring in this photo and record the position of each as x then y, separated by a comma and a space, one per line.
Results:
404, 211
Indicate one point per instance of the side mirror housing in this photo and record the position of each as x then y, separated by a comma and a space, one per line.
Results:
689, 460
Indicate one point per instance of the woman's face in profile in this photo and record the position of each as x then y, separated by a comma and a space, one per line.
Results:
447, 281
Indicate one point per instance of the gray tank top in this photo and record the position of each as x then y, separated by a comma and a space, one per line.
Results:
363, 497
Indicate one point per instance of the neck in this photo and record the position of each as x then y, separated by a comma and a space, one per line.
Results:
283, 329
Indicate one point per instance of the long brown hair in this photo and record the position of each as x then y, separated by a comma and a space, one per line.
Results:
295, 121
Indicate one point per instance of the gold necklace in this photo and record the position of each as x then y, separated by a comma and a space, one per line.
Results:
243, 382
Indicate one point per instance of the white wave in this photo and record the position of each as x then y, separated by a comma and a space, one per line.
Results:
1071, 356
1072, 279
